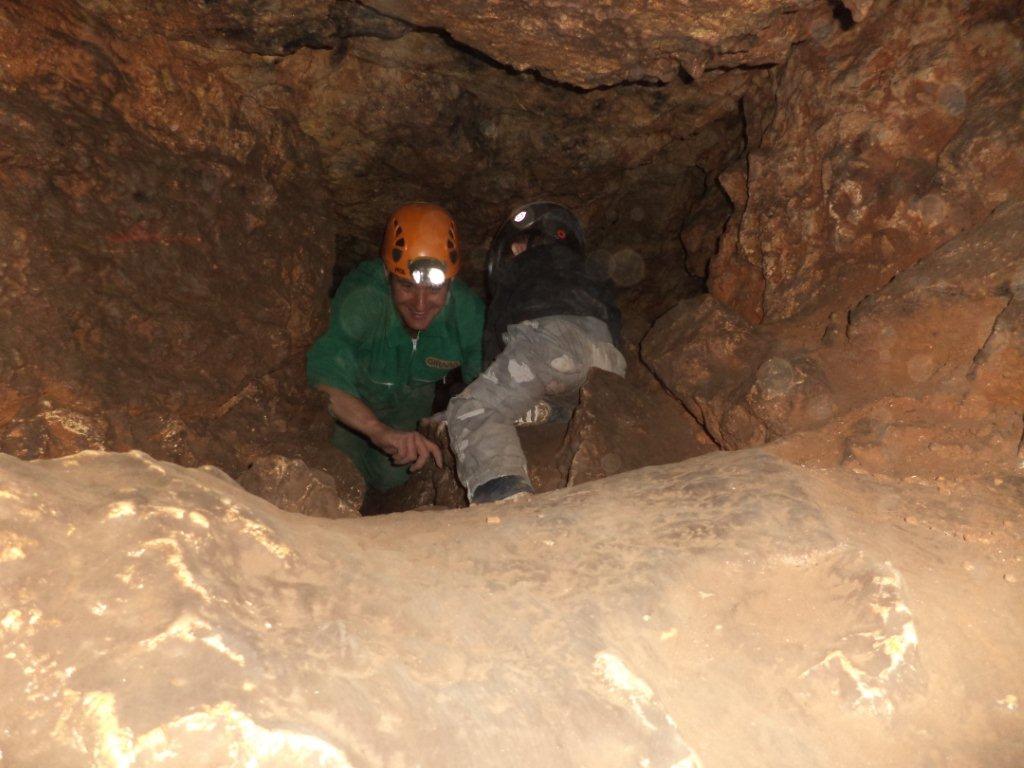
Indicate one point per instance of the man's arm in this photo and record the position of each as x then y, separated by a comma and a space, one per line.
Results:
402, 447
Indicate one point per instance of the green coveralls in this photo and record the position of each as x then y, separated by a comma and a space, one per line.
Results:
367, 352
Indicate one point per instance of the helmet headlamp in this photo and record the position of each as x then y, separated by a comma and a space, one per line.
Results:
428, 273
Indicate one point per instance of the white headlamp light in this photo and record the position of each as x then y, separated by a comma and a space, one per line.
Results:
432, 276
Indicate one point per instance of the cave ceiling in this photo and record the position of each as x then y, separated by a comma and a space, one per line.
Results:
626, 111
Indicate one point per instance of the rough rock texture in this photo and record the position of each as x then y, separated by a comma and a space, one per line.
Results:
872, 267
706, 355
926, 377
873, 148
415, 118
166, 249
723, 611
178, 180
621, 425
604, 43
291, 485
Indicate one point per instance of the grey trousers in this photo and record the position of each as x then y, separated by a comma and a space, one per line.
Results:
543, 359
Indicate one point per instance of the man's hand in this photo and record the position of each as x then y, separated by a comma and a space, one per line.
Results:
406, 447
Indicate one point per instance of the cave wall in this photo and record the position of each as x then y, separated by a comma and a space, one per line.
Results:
167, 241
865, 293
873, 148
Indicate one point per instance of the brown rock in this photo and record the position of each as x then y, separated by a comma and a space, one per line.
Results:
703, 229
592, 45
788, 396
156, 615
619, 426
292, 486
707, 356
878, 146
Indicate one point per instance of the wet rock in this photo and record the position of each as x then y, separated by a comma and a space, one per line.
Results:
155, 614
620, 425
294, 487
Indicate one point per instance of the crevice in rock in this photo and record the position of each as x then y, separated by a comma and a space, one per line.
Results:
698, 416
475, 53
983, 350
842, 14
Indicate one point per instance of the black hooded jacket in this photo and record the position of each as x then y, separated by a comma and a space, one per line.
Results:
545, 280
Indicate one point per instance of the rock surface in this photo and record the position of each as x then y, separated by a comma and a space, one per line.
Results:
622, 425
166, 248
924, 378
179, 179
291, 485
714, 612
871, 267
871, 149
595, 44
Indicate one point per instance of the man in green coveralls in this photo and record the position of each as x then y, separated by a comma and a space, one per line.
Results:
398, 326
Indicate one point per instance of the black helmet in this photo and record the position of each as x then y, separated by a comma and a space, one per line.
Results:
540, 224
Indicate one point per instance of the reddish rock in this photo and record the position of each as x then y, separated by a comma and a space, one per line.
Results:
947, 336
590, 45
707, 356
620, 425
877, 146
291, 485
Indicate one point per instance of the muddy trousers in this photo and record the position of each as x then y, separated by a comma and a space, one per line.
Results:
543, 359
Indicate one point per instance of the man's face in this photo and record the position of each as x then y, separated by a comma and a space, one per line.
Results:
417, 305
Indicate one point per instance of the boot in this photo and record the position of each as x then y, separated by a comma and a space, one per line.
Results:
501, 488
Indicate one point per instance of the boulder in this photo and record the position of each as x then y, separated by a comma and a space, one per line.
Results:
873, 148
293, 486
723, 611
621, 425
708, 356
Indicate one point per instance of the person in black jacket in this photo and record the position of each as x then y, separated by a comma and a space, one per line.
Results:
551, 319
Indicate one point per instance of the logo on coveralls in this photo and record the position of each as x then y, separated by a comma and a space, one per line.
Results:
447, 365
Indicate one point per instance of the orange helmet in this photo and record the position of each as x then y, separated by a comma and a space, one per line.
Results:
421, 244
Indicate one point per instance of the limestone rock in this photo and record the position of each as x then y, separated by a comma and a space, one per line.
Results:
878, 145
155, 615
590, 45
291, 485
708, 357
620, 425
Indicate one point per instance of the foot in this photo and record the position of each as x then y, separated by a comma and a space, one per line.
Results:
501, 488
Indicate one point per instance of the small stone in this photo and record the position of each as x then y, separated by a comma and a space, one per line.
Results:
968, 566
910, 520
493, 520
1009, 578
